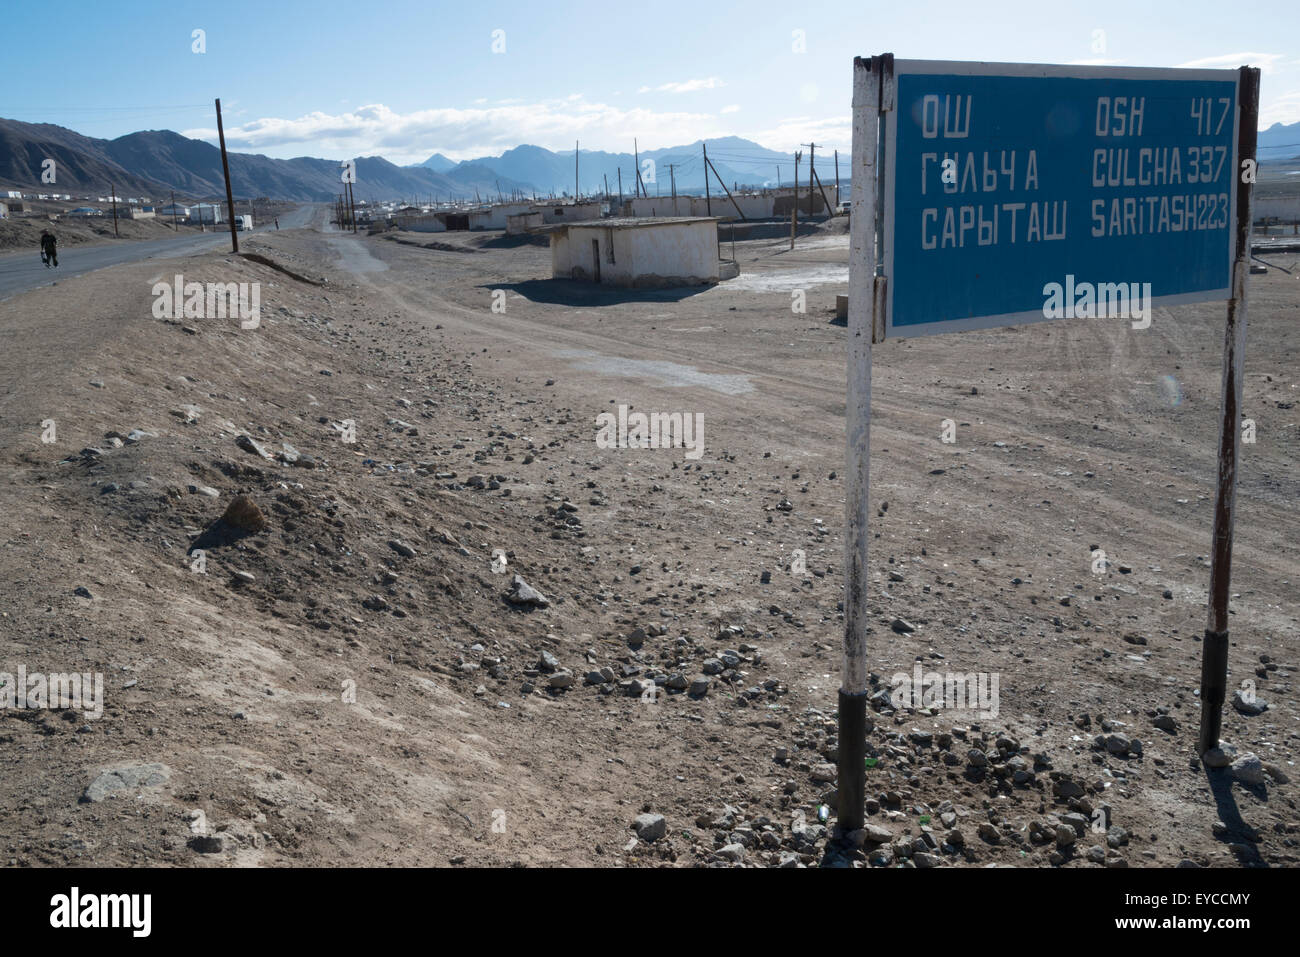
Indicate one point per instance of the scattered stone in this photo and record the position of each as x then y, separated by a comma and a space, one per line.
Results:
732, 852
113, 781
902, 627
1248, 769
650, 827
1219, 757
699, 687
524, 595
403, 549
207, 843
1248, 705
1117, 743
249, 444
83, 592
243, 513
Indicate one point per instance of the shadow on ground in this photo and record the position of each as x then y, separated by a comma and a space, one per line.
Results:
567, 292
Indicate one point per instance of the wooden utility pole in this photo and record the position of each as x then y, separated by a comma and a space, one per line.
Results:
636, 166
865, 292
673, 177
175, 228
794, 212
620, 188
605, 177
825, 199
352, 208
709, 166
812, 167
708, 203
112, 196
225, 168
1214, 650
837, 176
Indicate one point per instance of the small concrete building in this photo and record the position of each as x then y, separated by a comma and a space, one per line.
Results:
206, 213
522, 222
769, 204
568, 212
663, 251
496, 216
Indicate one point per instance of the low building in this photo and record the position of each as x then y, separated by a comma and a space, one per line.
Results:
641, 252
175, 209
206, 213
16, 207
519, 223
769, 204
568, 212
419, 222
496, 216
84, 212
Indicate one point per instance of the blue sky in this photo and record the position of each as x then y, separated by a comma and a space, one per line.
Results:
404, 79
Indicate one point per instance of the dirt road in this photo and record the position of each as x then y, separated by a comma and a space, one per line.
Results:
22, 271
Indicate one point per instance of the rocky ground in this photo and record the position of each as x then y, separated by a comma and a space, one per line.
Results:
364, 590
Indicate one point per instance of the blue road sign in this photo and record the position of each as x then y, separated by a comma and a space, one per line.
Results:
1020, 193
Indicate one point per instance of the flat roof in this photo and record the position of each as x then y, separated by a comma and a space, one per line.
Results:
625, 222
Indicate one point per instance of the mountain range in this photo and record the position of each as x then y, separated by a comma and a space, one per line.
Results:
155, 162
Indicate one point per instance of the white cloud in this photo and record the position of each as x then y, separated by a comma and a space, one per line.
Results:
1265, 61
829, 133
685, 86
733, 108
464, 133
1282, 109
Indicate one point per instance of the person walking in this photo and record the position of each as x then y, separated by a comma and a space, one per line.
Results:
49, 249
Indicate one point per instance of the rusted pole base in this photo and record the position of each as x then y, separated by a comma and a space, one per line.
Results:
1214, 687
853, 762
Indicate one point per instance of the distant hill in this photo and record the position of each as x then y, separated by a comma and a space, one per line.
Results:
438, 163
737, 160
1281, 141
154, 162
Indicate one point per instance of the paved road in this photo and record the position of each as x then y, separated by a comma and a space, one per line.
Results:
20, 272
